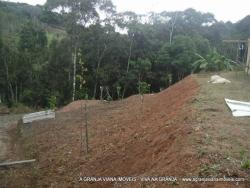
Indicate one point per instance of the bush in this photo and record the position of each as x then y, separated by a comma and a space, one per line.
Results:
52, 102
118, 91
143, 87
212, 62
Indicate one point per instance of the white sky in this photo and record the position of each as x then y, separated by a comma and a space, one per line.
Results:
225, 10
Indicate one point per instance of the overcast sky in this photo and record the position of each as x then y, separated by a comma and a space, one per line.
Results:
225, 10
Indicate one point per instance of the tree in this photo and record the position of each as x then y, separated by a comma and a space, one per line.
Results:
128, 20
141, 68
65, 49
140, 71
242, 28
98, 49
202, 45
59, 71
32, 72
10, 78
177, 58
2, 91
79, 14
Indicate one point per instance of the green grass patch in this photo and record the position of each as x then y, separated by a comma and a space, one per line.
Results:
246, 164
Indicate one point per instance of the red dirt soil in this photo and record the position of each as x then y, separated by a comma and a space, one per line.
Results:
122, 141
125, 139
77, 105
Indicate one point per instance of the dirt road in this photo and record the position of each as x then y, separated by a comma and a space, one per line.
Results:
5, 122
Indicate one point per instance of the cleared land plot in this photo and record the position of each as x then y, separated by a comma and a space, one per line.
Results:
184, 131
223, 140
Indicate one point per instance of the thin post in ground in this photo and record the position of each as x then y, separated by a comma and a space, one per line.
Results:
82, 125
86, 130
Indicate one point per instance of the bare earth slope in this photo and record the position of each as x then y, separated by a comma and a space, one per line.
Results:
168, 135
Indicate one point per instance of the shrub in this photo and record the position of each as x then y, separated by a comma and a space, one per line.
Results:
52, 102
212, 62
143, 87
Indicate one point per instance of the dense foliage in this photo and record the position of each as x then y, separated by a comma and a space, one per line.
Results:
47, 56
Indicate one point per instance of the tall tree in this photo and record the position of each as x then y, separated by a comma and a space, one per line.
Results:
178, 57
78, 14
32, 47
59, 75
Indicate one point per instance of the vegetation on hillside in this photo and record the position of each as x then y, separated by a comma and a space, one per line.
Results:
67, 55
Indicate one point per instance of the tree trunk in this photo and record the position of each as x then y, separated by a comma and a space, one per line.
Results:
128, 64
11, 92
129, 57
95, 88
97, 70
172, 29
16, 93
9, 82
139, 81
21, 91
74, 75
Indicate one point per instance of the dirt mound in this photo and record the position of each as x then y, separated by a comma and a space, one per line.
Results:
126, 139
76, 105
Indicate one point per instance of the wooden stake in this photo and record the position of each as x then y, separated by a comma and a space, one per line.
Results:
86, 130
81, 131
